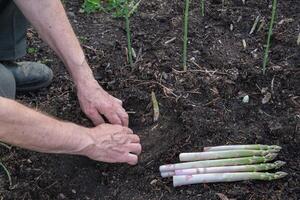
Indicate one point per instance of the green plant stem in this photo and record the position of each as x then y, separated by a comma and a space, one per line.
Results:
128, 34
266, 56
185, 34
202, 7
7, 173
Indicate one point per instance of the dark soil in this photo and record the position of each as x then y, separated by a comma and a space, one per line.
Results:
199, 108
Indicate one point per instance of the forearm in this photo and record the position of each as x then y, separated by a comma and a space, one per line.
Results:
26, 128
50, 20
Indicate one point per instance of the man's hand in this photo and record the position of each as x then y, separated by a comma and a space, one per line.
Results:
95, 101
106, 142
113, 144
54, 28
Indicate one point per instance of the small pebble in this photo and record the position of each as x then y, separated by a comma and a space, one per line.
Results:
246, 99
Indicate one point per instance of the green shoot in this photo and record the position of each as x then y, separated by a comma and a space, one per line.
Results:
7, 173
202, 7
128, 34
266, 55
185, 34
120, 9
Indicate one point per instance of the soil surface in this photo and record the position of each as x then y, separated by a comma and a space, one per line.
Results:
201, 107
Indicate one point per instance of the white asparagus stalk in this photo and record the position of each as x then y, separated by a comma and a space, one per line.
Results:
241, 147
226, 169
217, 163
211, 155
225, 177
167, 174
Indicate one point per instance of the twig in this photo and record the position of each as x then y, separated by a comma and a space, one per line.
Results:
171, 40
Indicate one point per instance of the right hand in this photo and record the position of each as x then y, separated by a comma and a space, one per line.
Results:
113, 144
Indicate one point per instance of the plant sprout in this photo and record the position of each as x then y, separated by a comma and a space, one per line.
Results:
185, 34
266, 55
128, 34
202, 7
155, 107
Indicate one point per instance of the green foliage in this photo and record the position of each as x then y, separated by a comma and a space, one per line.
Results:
119, 9
116, 7
32, 50
90, 6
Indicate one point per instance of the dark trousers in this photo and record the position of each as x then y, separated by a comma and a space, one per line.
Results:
7, 83
13, 27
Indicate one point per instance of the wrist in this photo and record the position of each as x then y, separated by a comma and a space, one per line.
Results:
82, 74
79, 139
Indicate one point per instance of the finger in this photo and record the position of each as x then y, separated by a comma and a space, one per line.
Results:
134, 138
135, 148
124, 117
95, 117
128, 130
112, 118
132, 159
118, 101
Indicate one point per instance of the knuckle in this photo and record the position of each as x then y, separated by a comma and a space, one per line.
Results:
126, 130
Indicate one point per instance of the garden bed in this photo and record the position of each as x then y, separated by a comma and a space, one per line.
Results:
201, 107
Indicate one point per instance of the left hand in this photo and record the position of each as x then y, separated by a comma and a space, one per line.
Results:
95, 101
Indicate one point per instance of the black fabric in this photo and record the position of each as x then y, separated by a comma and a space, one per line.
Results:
7, 83
13, 26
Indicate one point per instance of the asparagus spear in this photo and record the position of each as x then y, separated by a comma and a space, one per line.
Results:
226, 177
167, 174
217, 163
240, 147
211, 155
226, 169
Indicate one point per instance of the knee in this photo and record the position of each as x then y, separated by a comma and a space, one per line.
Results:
7, 83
